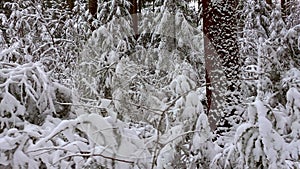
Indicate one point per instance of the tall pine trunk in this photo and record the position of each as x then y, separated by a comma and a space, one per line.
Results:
70, 4
93, 6
133, 11
171, 39
221, 60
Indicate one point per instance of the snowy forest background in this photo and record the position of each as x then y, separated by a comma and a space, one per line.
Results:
149, 84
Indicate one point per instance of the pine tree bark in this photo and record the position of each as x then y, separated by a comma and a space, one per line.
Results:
153, 5
133, 11
70, 4
269, 2
221, 59
140, 5
93, 6
171, 40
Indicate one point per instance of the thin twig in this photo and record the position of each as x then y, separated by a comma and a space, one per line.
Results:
182, 134
91, 155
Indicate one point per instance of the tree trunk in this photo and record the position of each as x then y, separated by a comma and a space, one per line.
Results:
140, 6
70, 4
221, 59
133, 11
153, 5
93, 6
171, 38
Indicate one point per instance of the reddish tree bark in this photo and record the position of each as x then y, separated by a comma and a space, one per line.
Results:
221, 54
140, 5
269, 2
70, 4
93, 6
133, 11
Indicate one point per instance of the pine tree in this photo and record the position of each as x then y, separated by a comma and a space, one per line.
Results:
218, 53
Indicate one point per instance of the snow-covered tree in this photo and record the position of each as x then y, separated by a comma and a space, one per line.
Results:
45, 32
85, 84
222, 62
